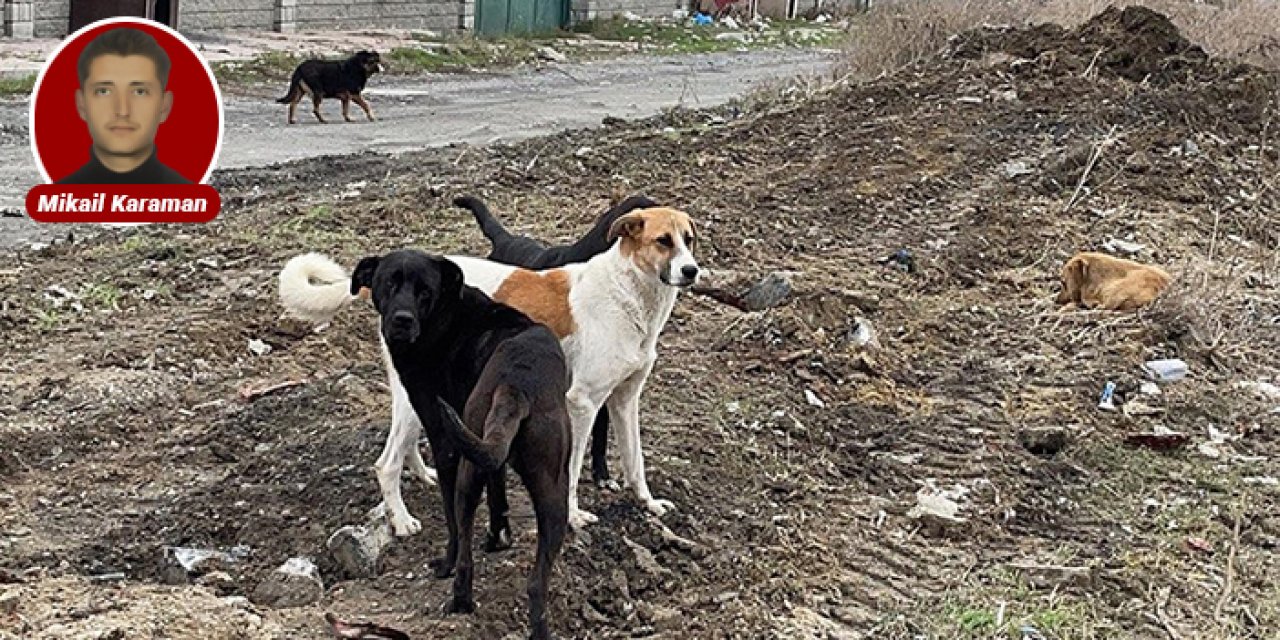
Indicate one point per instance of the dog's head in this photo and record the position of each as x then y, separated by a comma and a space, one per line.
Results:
660, 241
409, 289
370, 61
1074, 275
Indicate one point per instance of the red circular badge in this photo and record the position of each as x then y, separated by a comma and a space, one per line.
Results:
188, 128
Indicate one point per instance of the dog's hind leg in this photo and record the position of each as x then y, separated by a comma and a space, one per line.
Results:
419, 467
550, 494
599, 451
295, 96
470, 484
316, 99
368, 112
624, 412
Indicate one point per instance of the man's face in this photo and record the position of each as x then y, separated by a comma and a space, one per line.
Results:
123, 104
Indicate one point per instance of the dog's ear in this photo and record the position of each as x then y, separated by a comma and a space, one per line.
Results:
450, 279
629, 226
363, 275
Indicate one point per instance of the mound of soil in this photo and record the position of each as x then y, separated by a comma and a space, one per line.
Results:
1134, 43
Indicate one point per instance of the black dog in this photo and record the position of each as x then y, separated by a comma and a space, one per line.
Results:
322, 79
452, 347
523, 251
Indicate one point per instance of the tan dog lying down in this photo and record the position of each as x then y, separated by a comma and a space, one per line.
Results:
1099, 281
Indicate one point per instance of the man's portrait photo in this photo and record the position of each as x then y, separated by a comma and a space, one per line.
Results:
126, 101
123, 98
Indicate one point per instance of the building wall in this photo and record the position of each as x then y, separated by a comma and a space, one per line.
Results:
605, 9
52, 18
378, 14
219, 15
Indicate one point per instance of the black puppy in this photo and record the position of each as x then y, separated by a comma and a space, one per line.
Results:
523, 251
453, 346
342, 79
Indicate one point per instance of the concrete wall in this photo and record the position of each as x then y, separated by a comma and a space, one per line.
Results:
580, 10
220, 15
52, 18
437, 15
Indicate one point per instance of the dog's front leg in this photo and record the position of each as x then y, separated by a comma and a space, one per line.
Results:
447, 463
470, 484
364, 104
402, 441
624, 413
582, 405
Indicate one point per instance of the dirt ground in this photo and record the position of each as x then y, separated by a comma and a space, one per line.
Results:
124, 430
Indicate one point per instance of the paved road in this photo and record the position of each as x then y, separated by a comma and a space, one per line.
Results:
438, 110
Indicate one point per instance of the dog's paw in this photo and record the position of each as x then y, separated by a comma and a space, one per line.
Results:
441, 568
608, 484
459, 605
579, 518
430, 477
659, 507
498, 542
405, 526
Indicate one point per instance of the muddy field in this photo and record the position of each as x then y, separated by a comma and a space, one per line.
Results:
124, 429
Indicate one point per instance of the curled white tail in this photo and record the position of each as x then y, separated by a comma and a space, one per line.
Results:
314, 288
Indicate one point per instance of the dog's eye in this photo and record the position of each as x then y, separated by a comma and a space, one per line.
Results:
665, 240
688, 240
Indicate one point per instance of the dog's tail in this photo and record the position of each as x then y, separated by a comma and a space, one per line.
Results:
293, 90
314, 288
509, 409
493, 230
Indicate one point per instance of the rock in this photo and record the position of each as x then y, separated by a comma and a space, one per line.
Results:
769, 292
551, 55
1139, 162
1123, 247
1016, 168
181, 564
813, 399
220, 582
8, 603
259, 348
645, 559
358, 549
863, 335
666, 619
1046, 441
739, 36
935, 511
295, 584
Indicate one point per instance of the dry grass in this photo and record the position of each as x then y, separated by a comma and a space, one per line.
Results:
896, 34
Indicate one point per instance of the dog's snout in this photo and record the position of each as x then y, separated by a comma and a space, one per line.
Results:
402, 319
689, 271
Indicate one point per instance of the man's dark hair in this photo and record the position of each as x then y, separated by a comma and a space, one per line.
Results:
126, 42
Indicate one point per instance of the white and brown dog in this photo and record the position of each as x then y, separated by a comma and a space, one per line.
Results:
607, 312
